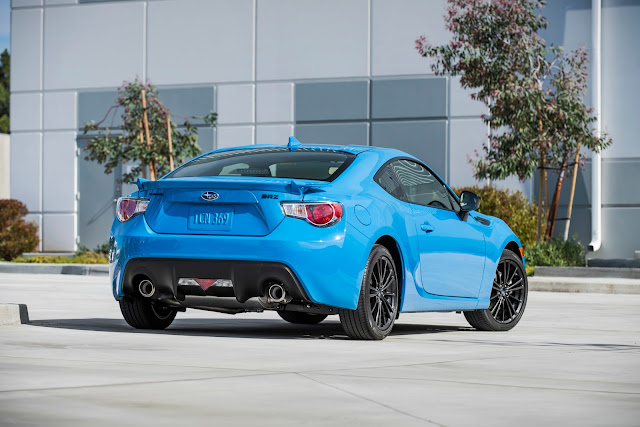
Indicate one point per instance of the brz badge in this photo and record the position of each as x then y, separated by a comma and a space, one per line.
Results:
210, 196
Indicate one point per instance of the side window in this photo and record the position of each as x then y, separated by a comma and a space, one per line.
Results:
420, 185
389, 183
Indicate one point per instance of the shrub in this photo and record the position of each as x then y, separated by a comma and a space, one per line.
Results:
89, 257
16, 234
556, 253
511, 207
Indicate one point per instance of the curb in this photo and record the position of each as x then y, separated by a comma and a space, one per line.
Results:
589, 272
77, 269
585, 285
13, 314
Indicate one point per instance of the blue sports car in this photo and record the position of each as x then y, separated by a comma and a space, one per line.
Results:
308, 231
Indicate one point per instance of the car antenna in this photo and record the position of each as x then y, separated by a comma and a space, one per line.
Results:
293, 143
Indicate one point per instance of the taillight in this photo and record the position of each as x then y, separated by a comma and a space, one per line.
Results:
320, 214
128, 207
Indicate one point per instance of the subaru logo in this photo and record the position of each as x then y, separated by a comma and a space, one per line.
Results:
210, 196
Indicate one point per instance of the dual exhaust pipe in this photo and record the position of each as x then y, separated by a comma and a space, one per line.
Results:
275, 294
147, 288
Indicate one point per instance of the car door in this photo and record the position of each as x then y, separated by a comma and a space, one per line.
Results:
452, 250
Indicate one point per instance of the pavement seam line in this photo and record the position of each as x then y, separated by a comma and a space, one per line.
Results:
483, 384
369, 400
149, 364
79, 387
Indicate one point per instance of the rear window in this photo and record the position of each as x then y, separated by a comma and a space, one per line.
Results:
319, 165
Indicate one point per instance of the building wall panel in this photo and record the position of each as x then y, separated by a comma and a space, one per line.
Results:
98, 45
395, 27
214, 37
60, 110
427, 140
26, 169
273, 134
59, 231
310, 39
26, 49
409, 98
236, 104
26, 112
333, 133
59, 172
274, 102
323, 101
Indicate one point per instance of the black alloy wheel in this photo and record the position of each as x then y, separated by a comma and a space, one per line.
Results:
377, 309
508, 297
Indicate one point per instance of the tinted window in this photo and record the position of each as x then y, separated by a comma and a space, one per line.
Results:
386, 179
420, 185
321, 165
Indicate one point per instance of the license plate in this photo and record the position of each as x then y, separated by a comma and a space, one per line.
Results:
210, 218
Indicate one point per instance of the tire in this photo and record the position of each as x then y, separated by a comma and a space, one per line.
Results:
144, 314
377, 309
302, 318
508, 297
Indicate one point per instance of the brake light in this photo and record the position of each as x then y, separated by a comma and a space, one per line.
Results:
318, 214
128, 207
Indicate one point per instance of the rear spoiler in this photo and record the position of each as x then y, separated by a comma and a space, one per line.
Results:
293, 186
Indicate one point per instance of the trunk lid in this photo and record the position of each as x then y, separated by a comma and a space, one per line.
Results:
233, 206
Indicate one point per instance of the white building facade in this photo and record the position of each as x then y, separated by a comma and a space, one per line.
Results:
331, 71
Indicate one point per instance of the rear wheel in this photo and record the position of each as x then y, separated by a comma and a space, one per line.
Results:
145, 314
377, 308
508, 297
302, 318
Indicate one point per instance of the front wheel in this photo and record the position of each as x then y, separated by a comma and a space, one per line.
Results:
377, 308
145, 314
508, 297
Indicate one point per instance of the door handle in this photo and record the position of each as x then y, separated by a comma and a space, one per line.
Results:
427, 228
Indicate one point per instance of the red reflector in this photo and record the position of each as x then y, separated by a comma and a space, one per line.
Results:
320, 214
205, 283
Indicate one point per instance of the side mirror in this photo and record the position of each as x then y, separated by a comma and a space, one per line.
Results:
469, 201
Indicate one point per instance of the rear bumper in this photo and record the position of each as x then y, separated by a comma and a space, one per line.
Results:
249, 277
323, 265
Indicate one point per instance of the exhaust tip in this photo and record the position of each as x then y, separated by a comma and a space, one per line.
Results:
277, 293
147, 288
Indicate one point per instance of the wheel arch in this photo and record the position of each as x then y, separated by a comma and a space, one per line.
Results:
394, 248
515, 247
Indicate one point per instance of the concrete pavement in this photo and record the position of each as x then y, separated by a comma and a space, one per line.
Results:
574, 359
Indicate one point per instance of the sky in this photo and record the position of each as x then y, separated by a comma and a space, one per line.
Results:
5, 24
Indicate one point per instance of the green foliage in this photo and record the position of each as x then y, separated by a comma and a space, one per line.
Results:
100, 249
556, 252
511, 207
89, 257
5, 61
534, 92
16, 234
131, 145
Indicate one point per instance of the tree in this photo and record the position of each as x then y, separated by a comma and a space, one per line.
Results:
534, 92
149, 137
5, 62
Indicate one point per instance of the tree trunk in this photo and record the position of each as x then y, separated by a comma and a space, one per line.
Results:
553, 209
170, 142
145, 121
539, 210
573, 190
143, 164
